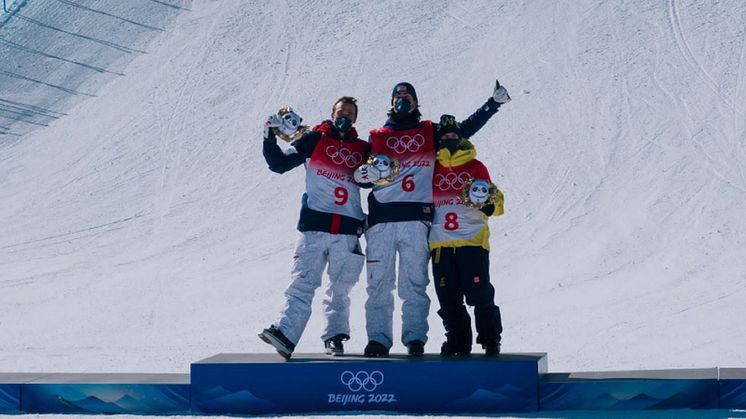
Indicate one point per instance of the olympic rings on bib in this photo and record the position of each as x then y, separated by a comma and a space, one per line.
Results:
343, 156
405, 143
451, 181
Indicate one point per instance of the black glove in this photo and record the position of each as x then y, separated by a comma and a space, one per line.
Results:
488, 210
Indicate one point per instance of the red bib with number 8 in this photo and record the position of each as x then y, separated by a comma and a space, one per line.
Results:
455, 223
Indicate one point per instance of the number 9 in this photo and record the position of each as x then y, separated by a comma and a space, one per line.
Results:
341, 194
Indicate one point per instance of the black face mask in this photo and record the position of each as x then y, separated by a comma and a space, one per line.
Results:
402, 106
450, 144
342, 124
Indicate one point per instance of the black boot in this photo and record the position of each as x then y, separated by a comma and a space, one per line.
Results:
491, 347
450, 348
276, 338
375, 350
416, 348
334, 346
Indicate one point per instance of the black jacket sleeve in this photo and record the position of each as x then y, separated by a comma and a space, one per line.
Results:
280, 161
476, 121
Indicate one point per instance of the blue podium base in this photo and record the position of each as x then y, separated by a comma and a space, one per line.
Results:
631, 390
267, 384
95, 393
10, 390
733, 388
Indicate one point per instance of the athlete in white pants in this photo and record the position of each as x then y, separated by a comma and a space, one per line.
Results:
313, 252
409, 240
399, 213
330, 223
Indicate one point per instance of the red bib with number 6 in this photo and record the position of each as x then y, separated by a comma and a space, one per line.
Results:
414, 149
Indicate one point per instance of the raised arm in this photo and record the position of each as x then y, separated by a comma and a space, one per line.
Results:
476, 121
280, 161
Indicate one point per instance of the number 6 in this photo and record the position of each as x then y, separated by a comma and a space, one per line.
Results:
407, 183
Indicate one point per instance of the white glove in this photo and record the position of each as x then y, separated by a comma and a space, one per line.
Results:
272, 121
366, 173
479, 192
500, 95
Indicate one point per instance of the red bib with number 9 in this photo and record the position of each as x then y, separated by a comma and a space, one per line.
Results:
329, 176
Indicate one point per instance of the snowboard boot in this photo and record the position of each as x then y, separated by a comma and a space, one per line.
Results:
416, 348
491, 347
450, 348
276, 338
334, 346
375, 350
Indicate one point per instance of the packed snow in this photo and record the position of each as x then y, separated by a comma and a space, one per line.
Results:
141, 230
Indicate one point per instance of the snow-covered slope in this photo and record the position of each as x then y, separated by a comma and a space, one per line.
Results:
141, 230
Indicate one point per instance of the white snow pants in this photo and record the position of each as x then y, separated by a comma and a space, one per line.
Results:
313, 251
384, 240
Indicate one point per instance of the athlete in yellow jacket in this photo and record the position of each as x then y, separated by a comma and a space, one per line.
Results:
464, 198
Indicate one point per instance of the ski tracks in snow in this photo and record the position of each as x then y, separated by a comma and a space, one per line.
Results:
284, 9
739, 111
674, 18
172, 125
699, 70
170, 128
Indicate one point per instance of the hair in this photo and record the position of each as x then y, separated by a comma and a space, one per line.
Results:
348, 100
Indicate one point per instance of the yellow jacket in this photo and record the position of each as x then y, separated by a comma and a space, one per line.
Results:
455, 224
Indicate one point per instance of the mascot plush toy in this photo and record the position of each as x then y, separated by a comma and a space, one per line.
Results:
286, 124
479, 193
380, 169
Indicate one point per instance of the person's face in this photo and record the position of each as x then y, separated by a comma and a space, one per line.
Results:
449, 136
406, 96
344, 110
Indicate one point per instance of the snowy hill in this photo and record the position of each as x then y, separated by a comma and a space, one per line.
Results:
140, 229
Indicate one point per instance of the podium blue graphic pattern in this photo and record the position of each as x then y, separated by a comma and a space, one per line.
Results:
733, 388
106, 398
259, 384
631, 390
10, 398
267, 384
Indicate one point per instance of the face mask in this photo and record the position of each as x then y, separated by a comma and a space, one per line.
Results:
451, 144
343, 124
402, 106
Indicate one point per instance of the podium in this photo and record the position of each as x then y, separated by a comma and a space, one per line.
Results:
268, 384
10, 390
631, 390
733, 388
94, 393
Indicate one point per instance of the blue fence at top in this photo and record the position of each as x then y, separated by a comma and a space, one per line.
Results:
6, 5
